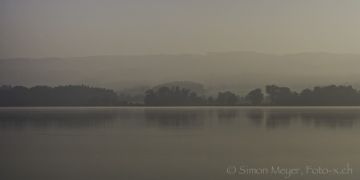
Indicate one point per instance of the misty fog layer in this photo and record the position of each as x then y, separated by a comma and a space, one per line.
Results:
53, 28
234, 71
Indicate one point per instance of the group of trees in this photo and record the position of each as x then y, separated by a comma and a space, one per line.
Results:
56, 96
166, 96
318, 96
175, 96
255, 97
275, 96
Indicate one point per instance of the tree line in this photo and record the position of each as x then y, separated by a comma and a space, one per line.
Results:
273, 95
56, 96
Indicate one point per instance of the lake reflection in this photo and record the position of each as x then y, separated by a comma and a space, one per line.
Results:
183, 117
193, 143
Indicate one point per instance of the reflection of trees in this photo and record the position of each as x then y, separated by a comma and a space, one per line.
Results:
56, 119
226, 116
279, 119
315, 118
255, 116
174, 118
270, 118
329, 119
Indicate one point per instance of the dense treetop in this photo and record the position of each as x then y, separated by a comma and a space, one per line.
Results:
80, 95
56, 96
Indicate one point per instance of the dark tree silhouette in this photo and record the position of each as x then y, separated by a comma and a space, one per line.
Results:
318, 96
164, 96
57, 96
174, 96
255, 97
281, 95
226, 98
330, 95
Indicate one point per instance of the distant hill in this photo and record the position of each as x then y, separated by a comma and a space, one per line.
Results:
238, 71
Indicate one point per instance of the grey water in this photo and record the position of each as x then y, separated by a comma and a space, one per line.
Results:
180, 143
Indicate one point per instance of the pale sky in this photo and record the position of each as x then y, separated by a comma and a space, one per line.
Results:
65, 28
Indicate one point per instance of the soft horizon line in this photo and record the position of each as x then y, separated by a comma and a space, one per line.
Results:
188, 54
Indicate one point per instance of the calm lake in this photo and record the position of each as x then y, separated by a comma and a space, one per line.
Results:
180, 143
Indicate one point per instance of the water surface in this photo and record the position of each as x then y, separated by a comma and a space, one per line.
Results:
191, 143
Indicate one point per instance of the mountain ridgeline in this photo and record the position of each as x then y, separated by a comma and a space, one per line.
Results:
80, 95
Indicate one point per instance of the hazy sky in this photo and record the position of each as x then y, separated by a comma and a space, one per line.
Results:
62, 28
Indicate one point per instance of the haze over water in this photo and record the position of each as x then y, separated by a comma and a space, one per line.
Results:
131, 46
176, 143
